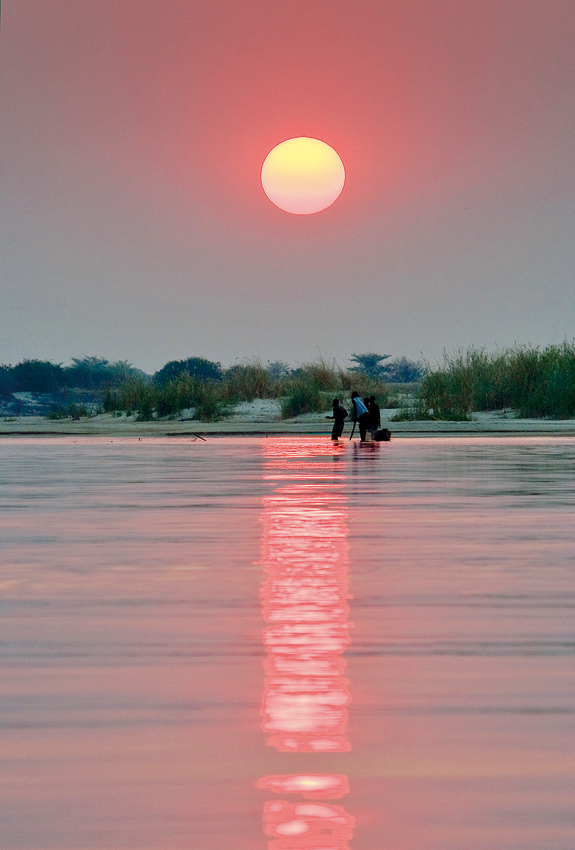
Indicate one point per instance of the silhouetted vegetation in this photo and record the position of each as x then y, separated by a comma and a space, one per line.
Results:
404, 371
308, 389
70, 411
370, 364
523, 381
196, 367
97, 372
6, 381
399, 371
278, 369
38, 376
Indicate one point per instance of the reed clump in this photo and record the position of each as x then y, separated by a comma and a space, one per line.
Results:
528, 381
304, 397
151, 400
247, 381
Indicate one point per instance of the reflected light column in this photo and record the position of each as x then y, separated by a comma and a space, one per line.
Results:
304, 601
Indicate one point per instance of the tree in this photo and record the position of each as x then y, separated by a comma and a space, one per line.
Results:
196, 367
370, 364
88, 372
6, 380
97, 372
38, 376
277, 369
404, 371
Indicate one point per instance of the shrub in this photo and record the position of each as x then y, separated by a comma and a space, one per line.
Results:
195, 367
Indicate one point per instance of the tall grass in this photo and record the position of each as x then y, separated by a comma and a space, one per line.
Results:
247, 381
152, 400
304, 397
529, 381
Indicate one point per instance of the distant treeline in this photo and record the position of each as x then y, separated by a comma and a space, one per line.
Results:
92, 373
87, 373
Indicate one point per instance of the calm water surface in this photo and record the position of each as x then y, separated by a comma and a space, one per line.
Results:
276, 644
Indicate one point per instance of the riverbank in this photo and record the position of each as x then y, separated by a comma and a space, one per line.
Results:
263, 417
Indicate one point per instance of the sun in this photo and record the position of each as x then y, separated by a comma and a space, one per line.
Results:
303, 176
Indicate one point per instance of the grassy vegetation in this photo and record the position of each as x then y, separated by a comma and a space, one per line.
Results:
305, 397
528, 381
308, 389
247, 381
70, 411
522, 381
414, 412
149, 400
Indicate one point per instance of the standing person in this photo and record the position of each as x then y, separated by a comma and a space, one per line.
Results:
339, 414
375, 416
360, 415
368, 408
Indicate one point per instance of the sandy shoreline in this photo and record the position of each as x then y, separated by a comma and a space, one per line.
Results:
262, 417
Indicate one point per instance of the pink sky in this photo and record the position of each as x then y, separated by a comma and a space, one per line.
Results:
134, 224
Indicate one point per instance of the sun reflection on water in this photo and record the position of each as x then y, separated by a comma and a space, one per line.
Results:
305, 602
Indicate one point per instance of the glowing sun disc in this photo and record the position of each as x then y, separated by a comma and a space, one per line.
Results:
303, 176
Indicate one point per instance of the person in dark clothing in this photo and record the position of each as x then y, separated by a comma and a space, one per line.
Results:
366, 402
375, 416
339, 415
360, 415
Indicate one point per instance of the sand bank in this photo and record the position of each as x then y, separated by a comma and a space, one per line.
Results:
263, 417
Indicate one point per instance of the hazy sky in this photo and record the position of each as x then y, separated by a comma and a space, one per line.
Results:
134, 225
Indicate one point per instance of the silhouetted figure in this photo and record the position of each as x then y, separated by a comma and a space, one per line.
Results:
339, 415
374, 415
360, 415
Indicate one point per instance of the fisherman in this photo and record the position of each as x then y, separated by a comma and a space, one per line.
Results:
375, 416
339, 415
360, 415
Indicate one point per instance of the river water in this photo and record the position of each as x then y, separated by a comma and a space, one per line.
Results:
280, 644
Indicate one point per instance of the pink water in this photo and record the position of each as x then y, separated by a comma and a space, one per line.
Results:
277, 644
